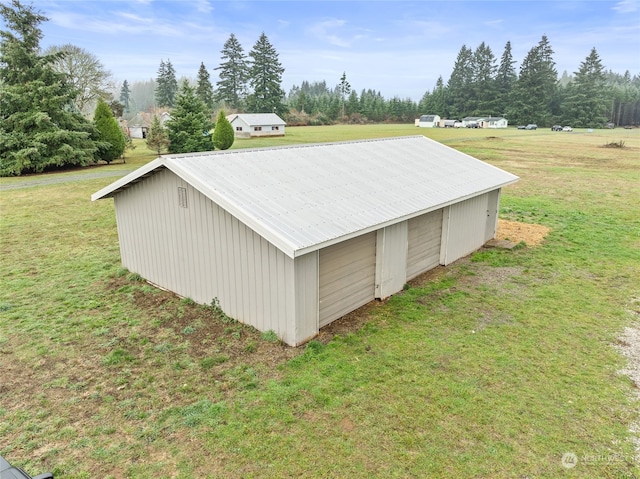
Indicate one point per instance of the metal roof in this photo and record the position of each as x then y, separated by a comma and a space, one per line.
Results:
302, 198
257, 119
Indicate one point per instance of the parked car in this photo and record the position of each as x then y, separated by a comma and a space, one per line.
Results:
7, 471
531, 126
556, 128
522, 127
567, 128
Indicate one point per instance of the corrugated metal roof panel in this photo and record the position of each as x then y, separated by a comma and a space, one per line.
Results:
259, 119
305, 197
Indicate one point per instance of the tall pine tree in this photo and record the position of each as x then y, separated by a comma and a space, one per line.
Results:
231, 87
534, 93
166, 85
125, 96
265, 79
585, 104
204, 90
505, 79
484, 86
38, 130
460, 83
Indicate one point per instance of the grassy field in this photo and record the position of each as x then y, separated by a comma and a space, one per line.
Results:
495, 366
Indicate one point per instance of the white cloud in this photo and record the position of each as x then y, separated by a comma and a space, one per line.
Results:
323, 31
626, 6
203, 6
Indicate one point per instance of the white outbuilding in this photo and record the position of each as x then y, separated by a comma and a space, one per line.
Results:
292, 238
429, 121
249, 125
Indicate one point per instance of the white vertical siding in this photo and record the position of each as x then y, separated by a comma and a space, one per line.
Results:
424, 238
306, 293
493, 205
202, 252
391, 259
465, 227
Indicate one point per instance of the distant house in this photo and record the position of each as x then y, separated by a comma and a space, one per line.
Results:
138, 126
429, 121
494, 122
484, 122
471, 121
289, 239
249, 125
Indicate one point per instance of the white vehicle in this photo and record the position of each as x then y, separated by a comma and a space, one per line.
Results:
567, 128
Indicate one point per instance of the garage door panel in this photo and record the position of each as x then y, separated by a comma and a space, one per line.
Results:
347, 277
423, 253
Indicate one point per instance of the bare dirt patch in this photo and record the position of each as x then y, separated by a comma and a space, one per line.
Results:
516, 232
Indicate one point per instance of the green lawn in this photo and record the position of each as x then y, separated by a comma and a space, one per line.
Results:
493, 367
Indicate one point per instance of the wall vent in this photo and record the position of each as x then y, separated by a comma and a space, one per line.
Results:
182, 197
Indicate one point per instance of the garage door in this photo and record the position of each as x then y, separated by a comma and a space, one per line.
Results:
423, 252
347, 276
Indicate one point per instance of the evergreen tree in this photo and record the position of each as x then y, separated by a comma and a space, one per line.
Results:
223, 135
535, 90
38, 128
109, 132
204, 90
265, 78
232, 86
167, 85
505, 79
484, 87
586, 101
189, 127
157, 138
125, 96
344, 90
460, 83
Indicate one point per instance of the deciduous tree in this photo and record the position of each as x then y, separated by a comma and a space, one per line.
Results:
85, 74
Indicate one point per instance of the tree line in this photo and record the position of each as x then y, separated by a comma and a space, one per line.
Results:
47, 98
480, 84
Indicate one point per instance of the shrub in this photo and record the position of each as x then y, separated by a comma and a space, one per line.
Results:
223, 135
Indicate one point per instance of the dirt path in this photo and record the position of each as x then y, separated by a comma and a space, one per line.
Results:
44, 180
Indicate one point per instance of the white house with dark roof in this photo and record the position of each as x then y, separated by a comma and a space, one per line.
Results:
247, 125
493, 122
290, 239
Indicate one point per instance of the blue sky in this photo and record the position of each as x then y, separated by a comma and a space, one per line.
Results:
398, 48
